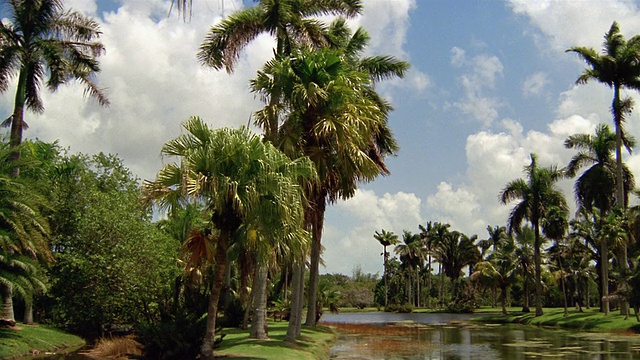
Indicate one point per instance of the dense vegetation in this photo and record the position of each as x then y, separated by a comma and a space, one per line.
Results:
239, 216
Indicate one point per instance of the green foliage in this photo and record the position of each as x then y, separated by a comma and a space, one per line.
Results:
177, 337
112, 267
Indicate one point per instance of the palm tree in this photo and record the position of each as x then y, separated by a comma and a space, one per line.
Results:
618, 68
24, 227
241, 181
497, 235
501, 267
540, 203
291, 22
411, 256
386, 238
596, 186
525, 239
454, 252
328, 117
42, 39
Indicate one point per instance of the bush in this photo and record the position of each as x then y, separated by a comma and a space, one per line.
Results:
178, 337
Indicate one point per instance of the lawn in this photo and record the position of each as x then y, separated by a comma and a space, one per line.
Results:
24, 339
314, 344
589, 319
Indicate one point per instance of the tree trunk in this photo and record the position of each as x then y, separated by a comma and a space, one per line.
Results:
17, 120
259, 323
564, 290
28, 312
7, 302
216, 287
527, 295
620, 201
386, 285
604, 267
316, 250
537, 264
503, 297
295, 317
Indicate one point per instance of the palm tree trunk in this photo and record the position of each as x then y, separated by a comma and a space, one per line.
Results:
429, 282
316, 249
503, 297
386, 285
620, 201
17, 120
216, 287
28, 312
537, 264
564, 290
7, 302
604, 267
295, 318
259, 323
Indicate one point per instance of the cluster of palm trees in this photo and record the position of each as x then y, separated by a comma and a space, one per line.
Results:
322, 116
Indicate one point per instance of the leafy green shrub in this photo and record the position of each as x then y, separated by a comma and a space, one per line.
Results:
178, 337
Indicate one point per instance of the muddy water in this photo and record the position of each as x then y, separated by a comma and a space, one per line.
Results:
442, 336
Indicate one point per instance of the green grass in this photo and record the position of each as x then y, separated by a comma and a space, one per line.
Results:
23, 339
590, 319
314, 344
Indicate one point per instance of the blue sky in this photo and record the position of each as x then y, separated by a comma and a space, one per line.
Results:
490, 83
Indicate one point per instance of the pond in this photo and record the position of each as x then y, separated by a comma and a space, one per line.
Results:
452, 336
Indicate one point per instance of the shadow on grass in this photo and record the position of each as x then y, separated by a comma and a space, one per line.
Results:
6, 333
238, 345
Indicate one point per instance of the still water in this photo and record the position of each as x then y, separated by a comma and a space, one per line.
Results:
449, 336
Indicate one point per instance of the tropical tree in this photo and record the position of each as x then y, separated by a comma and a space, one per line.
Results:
411, 253
456, 251
501, 266
386, 238
291, 22
596, 187
540, 203
40, 40
23, 225
242, 181
328, 117
497, 235
618, 68
525, 239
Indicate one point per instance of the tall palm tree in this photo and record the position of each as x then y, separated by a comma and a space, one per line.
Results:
386, 238
43, 40
539, 200
242, 182
411, 254
596, 187
617, 67
525, 239
291, 22
327, 116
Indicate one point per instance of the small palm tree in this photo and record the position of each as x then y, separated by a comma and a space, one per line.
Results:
242, 181
540, 203
456, 251
42, 39
386, 238
500, 267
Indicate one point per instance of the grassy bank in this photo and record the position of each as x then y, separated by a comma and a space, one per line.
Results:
35, 339
589, 319
315, 344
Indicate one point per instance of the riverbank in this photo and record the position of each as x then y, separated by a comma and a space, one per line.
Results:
588, 320
23, 340
314, 344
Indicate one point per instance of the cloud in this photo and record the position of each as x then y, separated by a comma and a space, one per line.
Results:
534, 84
351, 224
482, 72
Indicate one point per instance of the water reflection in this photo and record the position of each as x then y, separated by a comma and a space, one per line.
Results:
433, 338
